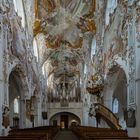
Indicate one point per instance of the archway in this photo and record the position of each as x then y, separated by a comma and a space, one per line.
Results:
65, 120
119, 98
16, 98
115, 93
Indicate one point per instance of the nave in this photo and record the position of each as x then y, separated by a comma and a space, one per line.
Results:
69, 63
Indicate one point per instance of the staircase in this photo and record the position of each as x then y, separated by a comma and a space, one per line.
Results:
107, 115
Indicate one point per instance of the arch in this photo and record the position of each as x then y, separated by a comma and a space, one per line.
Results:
119, 67
59, 119
117, 89
17, 67
122, 65
15, 63
17, 90
120, 93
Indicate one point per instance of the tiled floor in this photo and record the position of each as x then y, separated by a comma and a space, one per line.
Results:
66, 135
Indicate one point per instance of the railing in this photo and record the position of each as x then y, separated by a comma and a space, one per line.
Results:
107, 115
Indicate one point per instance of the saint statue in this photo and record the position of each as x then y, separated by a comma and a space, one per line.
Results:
5, 116
63, 90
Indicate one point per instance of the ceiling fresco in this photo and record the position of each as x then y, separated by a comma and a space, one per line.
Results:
66, 26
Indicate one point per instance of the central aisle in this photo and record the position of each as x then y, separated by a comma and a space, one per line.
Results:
66, 135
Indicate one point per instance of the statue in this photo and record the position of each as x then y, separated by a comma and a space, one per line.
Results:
130, 118
5, 116
63, 91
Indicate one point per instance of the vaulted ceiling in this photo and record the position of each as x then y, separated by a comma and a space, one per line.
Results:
65, 29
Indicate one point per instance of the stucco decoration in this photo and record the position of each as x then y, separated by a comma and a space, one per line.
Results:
64, 30
63, 27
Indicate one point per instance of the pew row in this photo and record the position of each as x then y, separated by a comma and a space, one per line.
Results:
37, 133
93, 133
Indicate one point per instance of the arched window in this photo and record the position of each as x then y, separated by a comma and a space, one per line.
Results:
43, 69
85, 69
35, 49
80, 81
15, 4
93, 48
111, 5
115, 105
107, 17
16, 105
18, 4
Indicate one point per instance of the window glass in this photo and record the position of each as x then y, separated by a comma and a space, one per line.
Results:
16, 105
20, 10
15, 4
93, 48
111, 5
85, 69
43, 69
115, 105
35, 49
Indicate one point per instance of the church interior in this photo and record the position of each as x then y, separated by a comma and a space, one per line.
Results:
69, 69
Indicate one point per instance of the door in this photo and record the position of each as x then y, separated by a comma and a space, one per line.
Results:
64, 121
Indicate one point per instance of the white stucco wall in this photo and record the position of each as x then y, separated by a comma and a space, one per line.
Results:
74, 108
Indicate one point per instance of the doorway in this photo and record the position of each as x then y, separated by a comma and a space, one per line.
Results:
64, 121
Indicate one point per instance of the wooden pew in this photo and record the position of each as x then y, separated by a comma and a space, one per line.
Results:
37, 133
92, 133
48, 130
